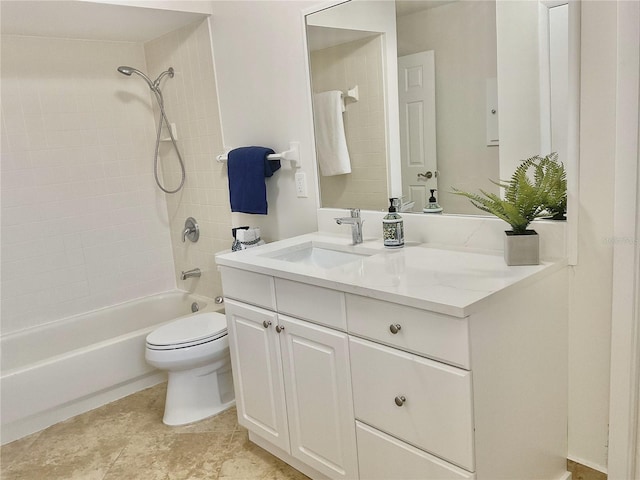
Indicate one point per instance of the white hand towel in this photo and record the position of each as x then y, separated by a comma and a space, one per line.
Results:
331, 142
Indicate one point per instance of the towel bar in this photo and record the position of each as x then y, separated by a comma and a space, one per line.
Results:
352, 93
292, 155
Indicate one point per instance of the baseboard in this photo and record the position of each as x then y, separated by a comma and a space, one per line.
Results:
35, 423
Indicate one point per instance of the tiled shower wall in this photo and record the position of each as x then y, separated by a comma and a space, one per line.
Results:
83, 225
191, 103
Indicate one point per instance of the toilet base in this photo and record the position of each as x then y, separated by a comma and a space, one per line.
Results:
196, 394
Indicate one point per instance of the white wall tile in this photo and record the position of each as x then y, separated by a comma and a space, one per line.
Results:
78, 199
191, 103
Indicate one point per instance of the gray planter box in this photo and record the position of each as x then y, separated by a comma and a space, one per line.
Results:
523, 249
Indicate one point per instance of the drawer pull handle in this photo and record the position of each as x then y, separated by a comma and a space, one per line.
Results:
279, 328
266, 323
395, 328
400, 400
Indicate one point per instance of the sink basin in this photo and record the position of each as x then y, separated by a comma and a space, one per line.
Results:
317, 255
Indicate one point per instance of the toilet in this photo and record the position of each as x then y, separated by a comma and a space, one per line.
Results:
194, 350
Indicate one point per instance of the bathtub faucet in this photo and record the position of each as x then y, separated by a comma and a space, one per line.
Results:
190, 273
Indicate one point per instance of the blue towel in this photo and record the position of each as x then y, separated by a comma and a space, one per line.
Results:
248, 167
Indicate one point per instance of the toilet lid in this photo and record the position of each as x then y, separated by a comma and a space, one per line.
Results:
192, 329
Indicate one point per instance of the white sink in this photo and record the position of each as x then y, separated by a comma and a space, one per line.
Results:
317, 255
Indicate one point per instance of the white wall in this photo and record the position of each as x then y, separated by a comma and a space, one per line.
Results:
269, 73
191, 103
82, 224
591, 289
265, 100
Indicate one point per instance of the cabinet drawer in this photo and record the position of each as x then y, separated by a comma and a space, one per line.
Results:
426, 333
249, 287
316, 304
436, 414
382, 457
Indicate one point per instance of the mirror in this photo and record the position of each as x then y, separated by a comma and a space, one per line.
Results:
451, 93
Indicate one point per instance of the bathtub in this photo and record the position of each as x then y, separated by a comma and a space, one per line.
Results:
55, 371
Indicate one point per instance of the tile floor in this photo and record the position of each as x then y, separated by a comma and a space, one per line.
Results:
126, 440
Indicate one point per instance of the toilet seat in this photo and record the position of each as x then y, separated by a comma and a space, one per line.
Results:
188, 331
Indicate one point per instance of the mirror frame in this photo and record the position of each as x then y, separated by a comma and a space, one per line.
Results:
391, 110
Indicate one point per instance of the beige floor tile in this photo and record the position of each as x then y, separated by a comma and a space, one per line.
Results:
582, 472
126, 440
14, 451
248, 461
67, 456
191, 456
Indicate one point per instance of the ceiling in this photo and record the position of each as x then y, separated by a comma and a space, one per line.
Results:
319, 38
407, 7
88, 20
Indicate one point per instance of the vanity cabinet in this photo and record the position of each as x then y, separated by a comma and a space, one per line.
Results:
257, 371
293, 386
355, 383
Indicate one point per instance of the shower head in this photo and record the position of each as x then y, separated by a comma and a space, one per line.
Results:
153, 85
129, 70
125, 70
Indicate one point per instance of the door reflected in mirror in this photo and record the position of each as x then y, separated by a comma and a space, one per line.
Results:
451, 94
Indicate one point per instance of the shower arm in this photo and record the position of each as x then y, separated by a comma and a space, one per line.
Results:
156, 83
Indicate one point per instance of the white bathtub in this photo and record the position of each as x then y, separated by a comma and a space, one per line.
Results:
53, 372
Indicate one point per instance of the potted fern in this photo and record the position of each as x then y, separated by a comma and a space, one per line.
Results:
555, 184
524, 200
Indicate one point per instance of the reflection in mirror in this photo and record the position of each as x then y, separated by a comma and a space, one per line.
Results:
447, 79
357, 63
347, 52
458, 65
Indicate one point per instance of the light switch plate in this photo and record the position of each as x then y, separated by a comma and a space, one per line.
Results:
301, 185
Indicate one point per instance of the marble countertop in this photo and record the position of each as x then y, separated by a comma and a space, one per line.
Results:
451, 281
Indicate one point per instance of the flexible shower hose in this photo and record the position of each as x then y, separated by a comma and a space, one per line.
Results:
163, 118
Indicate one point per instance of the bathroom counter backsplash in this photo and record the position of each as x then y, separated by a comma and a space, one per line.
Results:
452, 281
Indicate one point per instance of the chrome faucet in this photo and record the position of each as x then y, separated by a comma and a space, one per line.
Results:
190, 273
356, 224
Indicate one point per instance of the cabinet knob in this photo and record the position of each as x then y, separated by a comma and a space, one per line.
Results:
266, 323
395, 328
279, 328
400, 400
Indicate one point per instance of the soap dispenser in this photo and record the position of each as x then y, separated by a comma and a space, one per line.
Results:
392, 226
432, 206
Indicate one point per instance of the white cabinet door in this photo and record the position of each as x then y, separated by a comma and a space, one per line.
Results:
257, 372
319, 400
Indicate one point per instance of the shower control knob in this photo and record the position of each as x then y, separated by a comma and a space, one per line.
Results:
400, 400
395, 328
266, 323
279, 328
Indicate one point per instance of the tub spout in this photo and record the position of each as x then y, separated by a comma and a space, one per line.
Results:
190, 273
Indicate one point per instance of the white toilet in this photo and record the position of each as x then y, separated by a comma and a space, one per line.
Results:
195, 352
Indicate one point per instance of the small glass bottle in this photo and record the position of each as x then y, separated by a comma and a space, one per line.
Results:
392, 226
